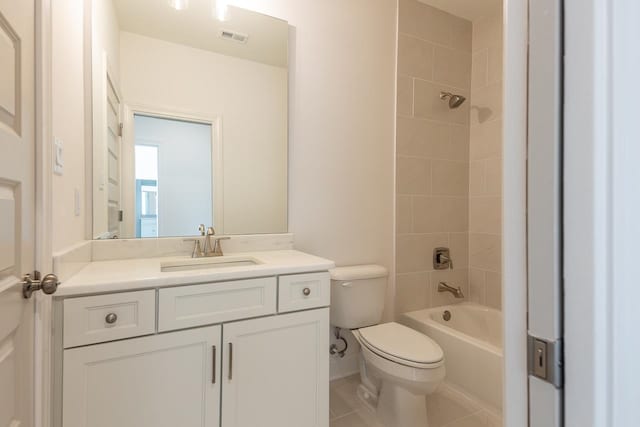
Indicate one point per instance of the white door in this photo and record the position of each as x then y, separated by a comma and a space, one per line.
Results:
276, 371
165, 380
114, 150
17, 203
544, 216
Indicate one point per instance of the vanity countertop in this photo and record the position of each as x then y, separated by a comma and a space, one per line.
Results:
145, 273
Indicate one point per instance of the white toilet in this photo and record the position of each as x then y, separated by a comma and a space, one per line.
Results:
399, 366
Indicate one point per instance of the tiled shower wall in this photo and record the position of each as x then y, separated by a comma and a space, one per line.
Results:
485, 156
432, 153
448, 162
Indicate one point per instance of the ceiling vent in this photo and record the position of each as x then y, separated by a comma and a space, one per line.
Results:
234, 36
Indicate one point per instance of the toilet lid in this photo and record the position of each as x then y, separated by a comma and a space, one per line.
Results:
402, 342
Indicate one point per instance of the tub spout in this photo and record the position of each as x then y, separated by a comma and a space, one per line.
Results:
456, 292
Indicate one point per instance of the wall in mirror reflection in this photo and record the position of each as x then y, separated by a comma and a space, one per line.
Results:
204, 120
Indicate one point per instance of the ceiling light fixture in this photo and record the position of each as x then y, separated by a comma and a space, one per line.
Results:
221, 9
179, 4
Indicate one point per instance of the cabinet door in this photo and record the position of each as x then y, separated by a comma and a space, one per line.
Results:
276, 371
164, 380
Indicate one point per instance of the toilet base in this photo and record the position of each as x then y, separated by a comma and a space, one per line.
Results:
368, 397
398, 407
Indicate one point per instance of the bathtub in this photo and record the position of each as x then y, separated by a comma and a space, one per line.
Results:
472, 343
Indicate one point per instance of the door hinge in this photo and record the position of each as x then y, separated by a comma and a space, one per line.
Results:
545, 360
120, 129
120, 215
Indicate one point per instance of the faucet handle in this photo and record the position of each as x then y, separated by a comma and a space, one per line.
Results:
211, 231
201, 229
197, 248
217, 246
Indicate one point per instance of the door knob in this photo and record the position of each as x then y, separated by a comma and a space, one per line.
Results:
48, 284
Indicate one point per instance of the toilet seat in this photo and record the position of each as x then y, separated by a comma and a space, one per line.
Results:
402, 345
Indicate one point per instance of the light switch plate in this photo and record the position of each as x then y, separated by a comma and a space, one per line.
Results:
58, 160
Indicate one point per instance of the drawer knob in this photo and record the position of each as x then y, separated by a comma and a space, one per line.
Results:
111, 318
306, 292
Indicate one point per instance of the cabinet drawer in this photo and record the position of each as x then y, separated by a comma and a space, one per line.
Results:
101, 318
196, 305
303, 291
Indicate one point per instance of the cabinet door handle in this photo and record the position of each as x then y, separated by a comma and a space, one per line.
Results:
230, 361
213, 375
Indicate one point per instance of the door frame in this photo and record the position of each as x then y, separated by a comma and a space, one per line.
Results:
602, 205
43, 214
514, 212
217, 149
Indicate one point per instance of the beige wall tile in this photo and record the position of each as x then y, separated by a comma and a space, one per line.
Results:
413, 176
404, 214
428, 105
426, 22
494, 290
477, 286
493, 176
485, 214
486, 103
456, 147
440, 214
452, 67
462, 34
412, 292
404, 104
414, 252
495, 64
485, 140
485, 251
415, 57
477, 183
480, 69
417, 137
453, 278
449, 178
459, 246
487, 31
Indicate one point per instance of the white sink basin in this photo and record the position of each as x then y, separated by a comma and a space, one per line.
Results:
207, 263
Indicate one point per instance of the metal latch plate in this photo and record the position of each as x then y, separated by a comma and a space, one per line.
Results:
546, 360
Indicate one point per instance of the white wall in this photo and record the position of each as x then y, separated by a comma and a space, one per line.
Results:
184, 173
251, 100
68, 119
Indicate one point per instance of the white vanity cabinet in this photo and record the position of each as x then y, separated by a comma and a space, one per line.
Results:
162, 381
276, 371
216, 354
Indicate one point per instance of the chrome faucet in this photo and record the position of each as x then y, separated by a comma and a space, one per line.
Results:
456, 292
206, 249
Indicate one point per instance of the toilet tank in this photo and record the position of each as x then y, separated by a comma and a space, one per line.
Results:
357, 295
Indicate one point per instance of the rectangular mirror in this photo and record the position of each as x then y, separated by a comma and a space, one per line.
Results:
190, 109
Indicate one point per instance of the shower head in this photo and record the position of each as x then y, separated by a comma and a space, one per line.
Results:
454, 100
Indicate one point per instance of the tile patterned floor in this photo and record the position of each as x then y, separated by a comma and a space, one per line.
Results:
447, 407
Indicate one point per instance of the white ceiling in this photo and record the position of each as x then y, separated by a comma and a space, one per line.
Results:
467, 9
197, 27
